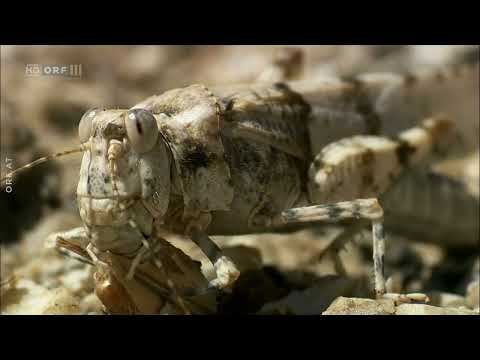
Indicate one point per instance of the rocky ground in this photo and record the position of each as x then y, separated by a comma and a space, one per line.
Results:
281, 273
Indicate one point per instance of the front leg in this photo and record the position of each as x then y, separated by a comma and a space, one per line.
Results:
225, 269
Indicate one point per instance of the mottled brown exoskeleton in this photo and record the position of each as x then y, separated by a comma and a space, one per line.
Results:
241, 159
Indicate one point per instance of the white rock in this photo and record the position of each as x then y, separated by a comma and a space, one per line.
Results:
314, 300
357, 306
25, 298
91, 304
421, 309
473, 295
78, 280
32, 299
443, 299
62, 302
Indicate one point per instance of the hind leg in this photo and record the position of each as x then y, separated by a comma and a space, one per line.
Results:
364, 167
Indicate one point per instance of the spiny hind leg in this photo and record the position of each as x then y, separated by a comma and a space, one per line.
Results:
366, 166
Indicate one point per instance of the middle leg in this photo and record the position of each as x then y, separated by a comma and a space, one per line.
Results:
360, 209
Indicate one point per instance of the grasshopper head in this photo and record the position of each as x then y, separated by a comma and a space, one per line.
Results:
125, 170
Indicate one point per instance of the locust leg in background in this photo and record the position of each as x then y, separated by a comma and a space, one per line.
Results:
287, 64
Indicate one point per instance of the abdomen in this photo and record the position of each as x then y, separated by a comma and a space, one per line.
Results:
432, 207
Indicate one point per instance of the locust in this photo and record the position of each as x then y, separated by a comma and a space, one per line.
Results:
275, 154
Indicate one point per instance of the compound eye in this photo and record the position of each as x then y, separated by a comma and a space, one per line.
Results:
85, 125
142, 130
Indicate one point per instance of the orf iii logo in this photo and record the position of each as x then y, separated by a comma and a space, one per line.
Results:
68, 70
75, 70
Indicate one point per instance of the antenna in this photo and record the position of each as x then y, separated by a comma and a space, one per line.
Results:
41, 160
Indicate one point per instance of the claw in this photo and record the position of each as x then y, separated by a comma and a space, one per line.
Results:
227, 273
